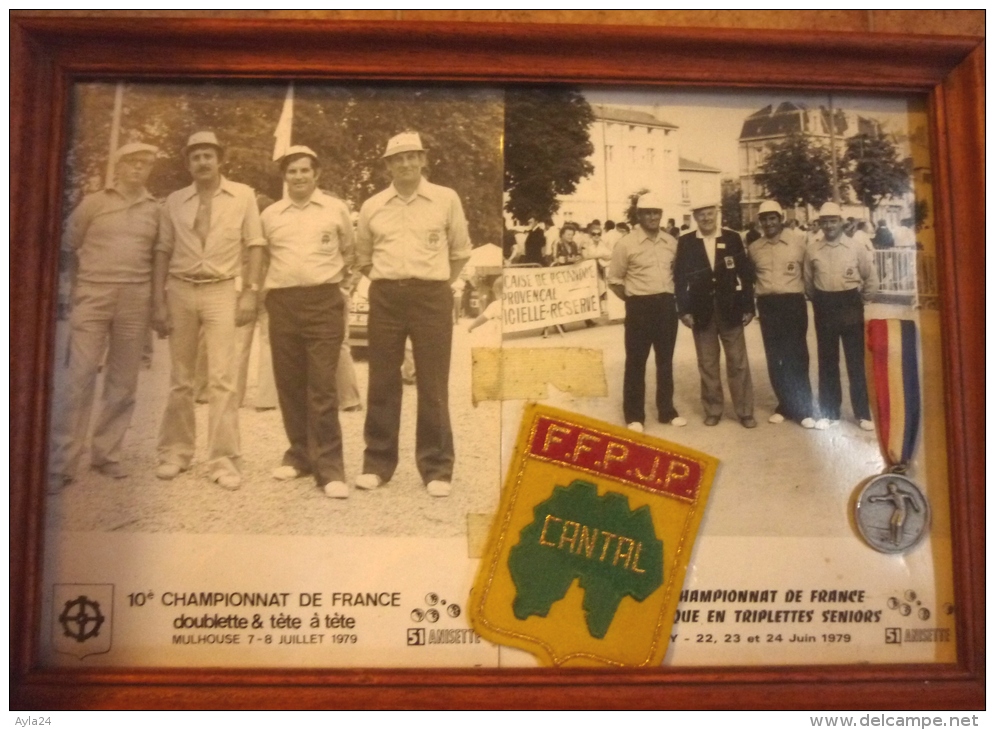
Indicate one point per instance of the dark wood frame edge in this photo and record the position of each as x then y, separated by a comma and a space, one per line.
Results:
48, 52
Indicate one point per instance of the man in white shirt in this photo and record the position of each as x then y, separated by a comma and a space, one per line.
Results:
311, 253
204, 230
412, 242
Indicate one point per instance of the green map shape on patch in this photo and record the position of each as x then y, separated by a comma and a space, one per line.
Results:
577, 534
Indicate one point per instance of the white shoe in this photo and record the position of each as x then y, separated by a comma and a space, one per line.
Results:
368, 481
337, 490
775, 418
439, 488
636, 426
227, 481
866, 425
286, 472
678, 421
809, 423
823, 423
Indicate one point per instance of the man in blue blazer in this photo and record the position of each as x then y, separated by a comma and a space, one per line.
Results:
713, 279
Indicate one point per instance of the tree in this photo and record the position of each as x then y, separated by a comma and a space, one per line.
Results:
874, 170
732, 196
797, 172
546, 145
348, 126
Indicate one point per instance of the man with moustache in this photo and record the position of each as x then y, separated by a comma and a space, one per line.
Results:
311, 252
839, 278
112, 233
205, 228
641, 273
412, 242
779, 261
713, 279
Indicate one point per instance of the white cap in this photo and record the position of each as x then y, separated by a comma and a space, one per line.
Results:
830, 209
771, 206
299, 149
404, 142
707, 202
133, 148
650, 201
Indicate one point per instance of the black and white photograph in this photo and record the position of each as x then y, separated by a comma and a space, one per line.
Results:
743, 239
298, 324
266, 292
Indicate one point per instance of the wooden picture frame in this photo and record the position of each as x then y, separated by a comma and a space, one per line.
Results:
49, 53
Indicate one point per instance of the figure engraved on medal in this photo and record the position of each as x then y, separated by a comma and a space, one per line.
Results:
892, 514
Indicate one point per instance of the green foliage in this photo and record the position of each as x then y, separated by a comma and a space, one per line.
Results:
348, 126
732, 213
546, 146
874, 170
797, 172
921, 214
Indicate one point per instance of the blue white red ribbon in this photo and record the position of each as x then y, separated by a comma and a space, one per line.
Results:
893, 379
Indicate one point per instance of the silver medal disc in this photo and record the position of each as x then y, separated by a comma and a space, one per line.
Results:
892, 514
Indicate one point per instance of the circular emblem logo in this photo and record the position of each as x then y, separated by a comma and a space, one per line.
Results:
892, 514
81, 619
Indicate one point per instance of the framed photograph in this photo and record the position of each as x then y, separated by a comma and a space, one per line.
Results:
236, 530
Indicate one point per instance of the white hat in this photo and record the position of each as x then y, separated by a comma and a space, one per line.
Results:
707, 202
829, 210
650, 201
202, 138
133, 148
404, 142
771, 206
299, 149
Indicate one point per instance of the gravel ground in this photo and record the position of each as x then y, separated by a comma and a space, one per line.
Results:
191, 503
773, 480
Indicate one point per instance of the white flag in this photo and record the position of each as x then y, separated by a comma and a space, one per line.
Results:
284, 126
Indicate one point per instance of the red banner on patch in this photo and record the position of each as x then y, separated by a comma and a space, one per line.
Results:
626, 460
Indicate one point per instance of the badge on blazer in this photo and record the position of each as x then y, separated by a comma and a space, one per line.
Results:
587, 553
730, 262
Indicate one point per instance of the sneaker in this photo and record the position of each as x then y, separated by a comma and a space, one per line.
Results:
678, 421
226, 480
748, 422
439, 488
636, 426
711, 420
808, 423
111, 469
368, 481
337, 490
167, 470
823, 423
353, 409
776, 418
866, 425
286, 472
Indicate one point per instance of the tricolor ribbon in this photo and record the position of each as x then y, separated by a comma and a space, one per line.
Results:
893, 379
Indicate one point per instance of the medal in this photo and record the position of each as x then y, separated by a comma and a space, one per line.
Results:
891, 512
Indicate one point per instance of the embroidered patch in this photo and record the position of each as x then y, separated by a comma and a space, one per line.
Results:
589, 547
730, 262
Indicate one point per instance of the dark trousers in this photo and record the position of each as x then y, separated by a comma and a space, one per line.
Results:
422, 310
650, 321
306, 327
784, 326
840, 316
